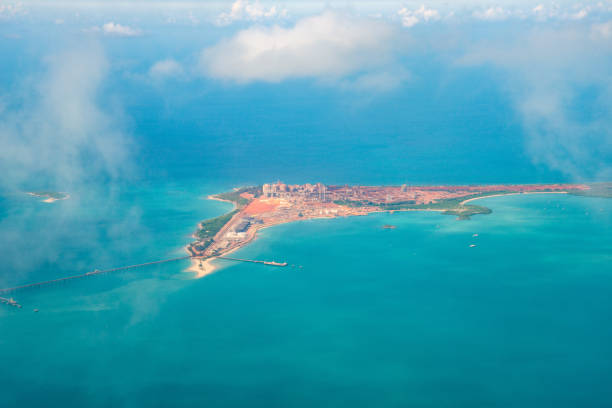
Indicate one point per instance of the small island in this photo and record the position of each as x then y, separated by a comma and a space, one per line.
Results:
49, 196
263, 206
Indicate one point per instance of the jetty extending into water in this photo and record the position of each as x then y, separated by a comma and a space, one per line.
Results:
121, 268
87, 274
269, 263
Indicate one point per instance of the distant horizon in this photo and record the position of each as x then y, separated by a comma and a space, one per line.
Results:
470, 92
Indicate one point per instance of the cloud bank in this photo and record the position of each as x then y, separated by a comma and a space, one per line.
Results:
330, 45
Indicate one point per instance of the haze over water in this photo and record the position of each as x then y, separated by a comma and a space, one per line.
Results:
140, 120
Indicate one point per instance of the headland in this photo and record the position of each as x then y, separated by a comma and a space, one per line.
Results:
263, 206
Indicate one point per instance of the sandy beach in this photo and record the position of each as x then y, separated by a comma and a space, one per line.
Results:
201, 267
214, 197
507, 194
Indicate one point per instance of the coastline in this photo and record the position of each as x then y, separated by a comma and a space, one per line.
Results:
208, 267
508, 194
214, 197
204, 266
201, 267
199, 224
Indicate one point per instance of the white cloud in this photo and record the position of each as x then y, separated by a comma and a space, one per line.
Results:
542, 13
249, 11
491, 14
411, 17
58, 133
115, 29
330, 45
548, 71
165, 68
112, 28
580, 14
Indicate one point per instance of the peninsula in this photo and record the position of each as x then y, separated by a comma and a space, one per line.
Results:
277, 203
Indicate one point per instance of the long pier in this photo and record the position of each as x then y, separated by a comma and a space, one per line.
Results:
269, 263
121, 268
88, 274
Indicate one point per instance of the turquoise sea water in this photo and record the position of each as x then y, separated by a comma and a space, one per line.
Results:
374, 317
412, 316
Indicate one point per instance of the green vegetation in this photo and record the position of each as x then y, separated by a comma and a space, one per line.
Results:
202, 245
354, 204
464, 212
209, 228
450, 206
234, 196
447, 204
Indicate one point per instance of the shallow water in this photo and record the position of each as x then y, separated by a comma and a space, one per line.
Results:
366, 316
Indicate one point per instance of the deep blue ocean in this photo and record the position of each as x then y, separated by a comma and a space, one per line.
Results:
366, 316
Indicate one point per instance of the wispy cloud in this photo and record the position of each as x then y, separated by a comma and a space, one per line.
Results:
166, 68
492, 13
245, 10
559, 82
580, 14
115, 29
58, 132
377, 82
410, 18
330, 45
